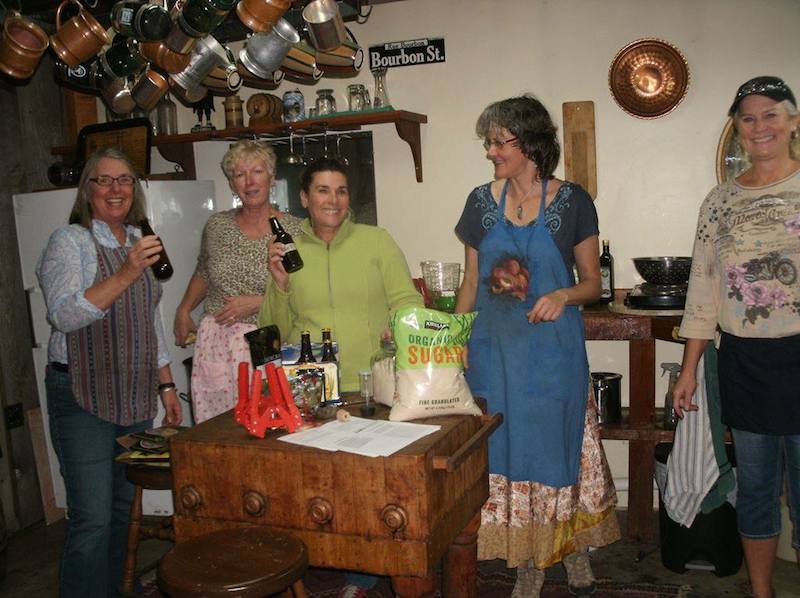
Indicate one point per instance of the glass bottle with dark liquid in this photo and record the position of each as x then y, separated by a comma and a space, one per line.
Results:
291, 260
306, 354
328, 356
606, 275
162, 269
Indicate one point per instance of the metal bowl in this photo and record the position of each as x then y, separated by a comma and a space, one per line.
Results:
664, 270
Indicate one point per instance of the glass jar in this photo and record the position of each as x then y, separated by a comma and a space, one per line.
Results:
355, 97
326, 103
383, 372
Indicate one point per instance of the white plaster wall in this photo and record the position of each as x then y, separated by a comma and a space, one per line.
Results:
652, 174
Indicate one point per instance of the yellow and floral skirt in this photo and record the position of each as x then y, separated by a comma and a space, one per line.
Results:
524, 521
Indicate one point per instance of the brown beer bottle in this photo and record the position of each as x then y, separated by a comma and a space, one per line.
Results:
306, 354
162, 269
291, 260
328, 356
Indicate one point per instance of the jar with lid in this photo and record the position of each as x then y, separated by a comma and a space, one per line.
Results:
383, 372
326, 103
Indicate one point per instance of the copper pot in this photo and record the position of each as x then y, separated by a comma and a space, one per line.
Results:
80, 38
21, 46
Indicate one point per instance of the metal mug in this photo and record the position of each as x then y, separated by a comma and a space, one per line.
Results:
224, 79
159, 54
116, 93
21, 46
207, 54
80, 38
608, 396
261, 15
180, 41
149, 88
264, 52
325, 24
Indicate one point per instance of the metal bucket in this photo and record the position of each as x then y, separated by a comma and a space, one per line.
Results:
608, 396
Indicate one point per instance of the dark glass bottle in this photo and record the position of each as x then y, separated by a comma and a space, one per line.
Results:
306, 354
162, 269
328, 356
122, 57
606, 274
144, 21
292, 261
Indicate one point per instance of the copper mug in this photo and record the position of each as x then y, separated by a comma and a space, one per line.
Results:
261, 15
149, 88
301, 63
21, 46
160, 55
80, 38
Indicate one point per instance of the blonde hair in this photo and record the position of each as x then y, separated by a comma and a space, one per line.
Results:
82, 208
248, 149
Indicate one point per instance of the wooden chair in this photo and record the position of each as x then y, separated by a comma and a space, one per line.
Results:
150, 478
251, 562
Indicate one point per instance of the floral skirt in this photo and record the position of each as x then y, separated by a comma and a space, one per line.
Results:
524, 521
215, 367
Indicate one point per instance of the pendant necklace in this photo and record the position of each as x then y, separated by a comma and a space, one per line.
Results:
525, 198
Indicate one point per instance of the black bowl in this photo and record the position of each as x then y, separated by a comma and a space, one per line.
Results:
664, 270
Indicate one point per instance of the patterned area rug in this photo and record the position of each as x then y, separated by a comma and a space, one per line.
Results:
494, 581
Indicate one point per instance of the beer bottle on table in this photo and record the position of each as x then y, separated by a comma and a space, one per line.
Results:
306, 354
162, 269
606, 274
328, 355
291, 260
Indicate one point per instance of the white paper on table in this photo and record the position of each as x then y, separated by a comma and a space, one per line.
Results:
368, 437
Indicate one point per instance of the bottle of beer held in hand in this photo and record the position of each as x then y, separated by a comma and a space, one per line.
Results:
291, 260
162, 269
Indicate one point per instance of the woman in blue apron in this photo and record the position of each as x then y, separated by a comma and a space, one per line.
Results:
551, 492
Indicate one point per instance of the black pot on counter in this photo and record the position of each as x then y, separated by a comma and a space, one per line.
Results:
608, 396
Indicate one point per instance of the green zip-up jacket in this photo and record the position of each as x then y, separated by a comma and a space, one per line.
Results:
350, 286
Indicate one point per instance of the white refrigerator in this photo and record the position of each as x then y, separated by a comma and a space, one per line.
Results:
178, 210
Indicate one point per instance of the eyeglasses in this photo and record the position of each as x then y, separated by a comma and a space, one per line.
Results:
105, 180
498, 143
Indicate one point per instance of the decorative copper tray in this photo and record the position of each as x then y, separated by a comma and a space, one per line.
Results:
648, 78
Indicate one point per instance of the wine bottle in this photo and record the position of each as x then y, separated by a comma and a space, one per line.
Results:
306, 354
606, 274
291, 260
162, 269
328, 356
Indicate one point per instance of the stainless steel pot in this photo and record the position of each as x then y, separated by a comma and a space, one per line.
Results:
608, 396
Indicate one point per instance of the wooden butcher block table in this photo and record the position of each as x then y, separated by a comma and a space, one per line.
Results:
397, 515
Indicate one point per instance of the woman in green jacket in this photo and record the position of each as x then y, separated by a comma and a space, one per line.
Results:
354, 275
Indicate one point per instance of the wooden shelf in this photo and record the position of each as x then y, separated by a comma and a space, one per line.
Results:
180, 149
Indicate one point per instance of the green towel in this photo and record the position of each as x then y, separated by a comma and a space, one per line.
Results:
727, 480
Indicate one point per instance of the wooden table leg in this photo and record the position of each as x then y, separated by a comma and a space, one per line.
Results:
461, 562
129, 569
414, 587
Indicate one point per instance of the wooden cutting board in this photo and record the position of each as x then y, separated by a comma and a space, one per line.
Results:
580, 160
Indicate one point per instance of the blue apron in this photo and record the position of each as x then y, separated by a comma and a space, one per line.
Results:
535, 374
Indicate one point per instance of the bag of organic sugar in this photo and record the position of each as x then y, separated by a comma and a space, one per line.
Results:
430, 378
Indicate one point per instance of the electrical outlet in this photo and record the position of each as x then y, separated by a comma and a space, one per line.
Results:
14, 416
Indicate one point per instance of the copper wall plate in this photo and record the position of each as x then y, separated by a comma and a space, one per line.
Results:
648, 78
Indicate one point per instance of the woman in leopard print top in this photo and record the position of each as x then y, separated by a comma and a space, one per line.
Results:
231, 276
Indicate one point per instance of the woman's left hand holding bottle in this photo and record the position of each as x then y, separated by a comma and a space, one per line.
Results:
275, 252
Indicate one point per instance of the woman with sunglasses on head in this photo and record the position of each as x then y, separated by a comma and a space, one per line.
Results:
744, 291
551, 492
108, 364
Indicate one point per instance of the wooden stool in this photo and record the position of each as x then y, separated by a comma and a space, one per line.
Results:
252, 562
148, 477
